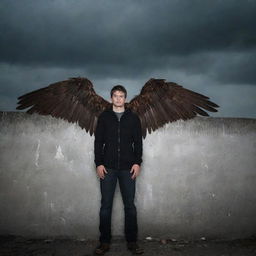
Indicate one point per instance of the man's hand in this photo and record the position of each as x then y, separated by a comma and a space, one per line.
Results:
101, 171
136, 170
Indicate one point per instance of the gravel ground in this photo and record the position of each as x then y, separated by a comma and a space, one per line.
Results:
14, 245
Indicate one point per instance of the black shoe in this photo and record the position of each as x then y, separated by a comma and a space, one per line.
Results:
134, 248
102, 249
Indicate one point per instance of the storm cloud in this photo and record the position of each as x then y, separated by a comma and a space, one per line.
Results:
207, 46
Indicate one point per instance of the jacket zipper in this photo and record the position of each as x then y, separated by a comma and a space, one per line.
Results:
118, 149
118, 159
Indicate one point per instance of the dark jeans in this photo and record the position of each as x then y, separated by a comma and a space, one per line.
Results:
127, 188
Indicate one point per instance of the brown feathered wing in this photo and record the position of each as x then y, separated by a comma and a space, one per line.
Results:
160, 102
73, 100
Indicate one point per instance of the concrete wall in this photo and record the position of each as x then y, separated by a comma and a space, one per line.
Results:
198, 179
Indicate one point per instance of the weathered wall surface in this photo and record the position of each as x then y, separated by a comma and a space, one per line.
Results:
198, 178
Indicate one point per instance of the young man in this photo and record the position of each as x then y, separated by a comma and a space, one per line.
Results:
118, 155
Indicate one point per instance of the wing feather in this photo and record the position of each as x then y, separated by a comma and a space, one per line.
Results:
73, 100
161, 102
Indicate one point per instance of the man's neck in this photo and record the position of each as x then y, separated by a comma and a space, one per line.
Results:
118, 109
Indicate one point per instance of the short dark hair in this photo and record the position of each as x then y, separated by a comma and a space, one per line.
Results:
118, 88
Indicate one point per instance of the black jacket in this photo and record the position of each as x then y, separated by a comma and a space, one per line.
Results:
118, 144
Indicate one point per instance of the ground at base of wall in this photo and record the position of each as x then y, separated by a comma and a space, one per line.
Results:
19, 246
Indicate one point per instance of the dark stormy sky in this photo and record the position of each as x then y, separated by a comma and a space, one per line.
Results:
208, 46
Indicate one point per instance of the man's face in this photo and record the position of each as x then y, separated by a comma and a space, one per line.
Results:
118, 98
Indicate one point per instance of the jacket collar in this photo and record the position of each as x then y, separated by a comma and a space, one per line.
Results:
110, 108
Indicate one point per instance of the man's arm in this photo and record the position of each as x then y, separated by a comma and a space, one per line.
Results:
138, 147
99, 142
